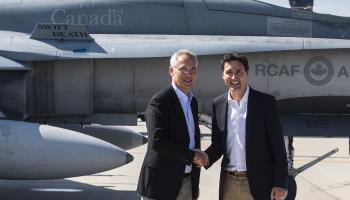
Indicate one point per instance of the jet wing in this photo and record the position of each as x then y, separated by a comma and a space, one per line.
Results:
306, 125
9, 65
19, 47
316, 125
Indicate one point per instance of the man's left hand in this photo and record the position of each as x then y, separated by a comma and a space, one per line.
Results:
278, 193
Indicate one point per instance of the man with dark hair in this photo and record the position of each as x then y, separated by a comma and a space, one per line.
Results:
169, 170
246, 130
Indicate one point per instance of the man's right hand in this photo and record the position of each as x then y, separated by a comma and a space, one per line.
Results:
200, 158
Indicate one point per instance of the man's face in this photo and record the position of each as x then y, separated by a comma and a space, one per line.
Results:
235, 77
184, 74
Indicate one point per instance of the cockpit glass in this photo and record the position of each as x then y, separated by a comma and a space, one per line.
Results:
332, 7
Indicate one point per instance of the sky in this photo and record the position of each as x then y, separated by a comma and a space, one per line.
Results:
334, 7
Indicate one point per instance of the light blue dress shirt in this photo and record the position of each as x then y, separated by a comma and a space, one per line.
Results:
185, 101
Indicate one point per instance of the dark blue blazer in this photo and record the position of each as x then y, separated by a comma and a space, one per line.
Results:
265, 150
167, 151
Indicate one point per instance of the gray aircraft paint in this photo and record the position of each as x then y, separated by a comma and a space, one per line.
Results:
33, 151
122, 137
132, 41
177, 17
123, 86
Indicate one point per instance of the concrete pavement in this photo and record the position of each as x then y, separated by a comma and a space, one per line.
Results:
328, 180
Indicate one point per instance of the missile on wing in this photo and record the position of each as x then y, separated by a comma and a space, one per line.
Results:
119, 136
33, 151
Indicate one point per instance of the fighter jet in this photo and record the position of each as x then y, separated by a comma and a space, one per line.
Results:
100, 61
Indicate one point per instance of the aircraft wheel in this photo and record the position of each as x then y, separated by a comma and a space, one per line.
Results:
292, 188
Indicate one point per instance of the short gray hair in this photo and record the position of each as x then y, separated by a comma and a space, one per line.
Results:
183, 52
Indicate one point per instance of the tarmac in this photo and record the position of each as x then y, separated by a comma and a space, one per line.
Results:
327, 180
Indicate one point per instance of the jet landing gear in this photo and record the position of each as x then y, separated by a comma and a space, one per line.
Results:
293, 172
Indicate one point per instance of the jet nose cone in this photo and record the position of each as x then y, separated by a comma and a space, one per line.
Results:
128, 158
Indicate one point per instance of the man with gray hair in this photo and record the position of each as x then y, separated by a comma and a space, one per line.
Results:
169, 170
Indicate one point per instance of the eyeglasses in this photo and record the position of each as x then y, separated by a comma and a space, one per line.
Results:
187, 70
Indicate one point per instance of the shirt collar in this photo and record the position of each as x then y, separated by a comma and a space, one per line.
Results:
181, 94
244, 99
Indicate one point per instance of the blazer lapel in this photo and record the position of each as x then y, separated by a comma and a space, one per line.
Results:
194, 108
221, 117
175, 103
251, 109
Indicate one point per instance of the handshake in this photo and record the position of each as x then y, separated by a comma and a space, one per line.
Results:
200, 158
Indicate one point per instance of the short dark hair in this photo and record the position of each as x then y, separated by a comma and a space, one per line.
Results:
232, 57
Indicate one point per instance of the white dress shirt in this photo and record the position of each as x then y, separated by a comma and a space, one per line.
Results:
185, 101
236, 132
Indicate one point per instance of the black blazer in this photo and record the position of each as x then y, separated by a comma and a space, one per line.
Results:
167, 151
265, 150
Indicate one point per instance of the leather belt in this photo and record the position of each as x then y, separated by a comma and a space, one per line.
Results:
186, 175
237, 174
